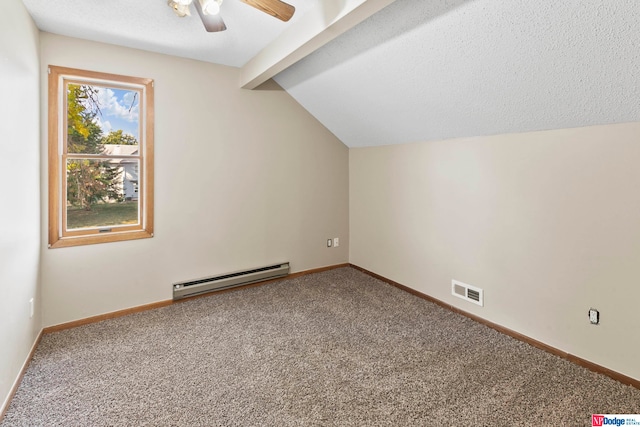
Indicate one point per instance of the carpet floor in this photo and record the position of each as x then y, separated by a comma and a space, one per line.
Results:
336, 348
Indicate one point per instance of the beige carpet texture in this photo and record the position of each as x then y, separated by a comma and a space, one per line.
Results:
337, 348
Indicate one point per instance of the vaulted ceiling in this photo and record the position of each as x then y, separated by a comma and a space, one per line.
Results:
416, 70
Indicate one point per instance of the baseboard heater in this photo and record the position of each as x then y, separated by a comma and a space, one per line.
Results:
229, 280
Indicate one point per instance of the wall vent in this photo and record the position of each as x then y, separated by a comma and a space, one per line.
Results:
467, 292
229, 280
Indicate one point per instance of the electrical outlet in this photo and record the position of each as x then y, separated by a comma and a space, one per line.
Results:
31, 308
329, 243
594, 316
336, 242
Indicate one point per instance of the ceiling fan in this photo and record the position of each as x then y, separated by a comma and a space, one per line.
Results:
209, 10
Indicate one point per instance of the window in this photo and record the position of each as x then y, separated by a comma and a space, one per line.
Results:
100, 157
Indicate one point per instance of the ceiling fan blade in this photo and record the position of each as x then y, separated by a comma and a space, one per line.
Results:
212, 23
276, 8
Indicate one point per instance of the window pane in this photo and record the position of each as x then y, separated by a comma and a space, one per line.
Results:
102, 193
102, 120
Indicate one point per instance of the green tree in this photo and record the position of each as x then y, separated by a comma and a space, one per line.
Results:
83, 134
92, 181
88, 181
119, 138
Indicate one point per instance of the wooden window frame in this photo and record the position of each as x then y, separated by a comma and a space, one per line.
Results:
59, 237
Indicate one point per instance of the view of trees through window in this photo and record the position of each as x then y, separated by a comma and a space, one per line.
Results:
102, 156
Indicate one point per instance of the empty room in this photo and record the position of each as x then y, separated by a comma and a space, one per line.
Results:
320, 212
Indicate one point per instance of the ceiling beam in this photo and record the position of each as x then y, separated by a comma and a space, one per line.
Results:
310, 32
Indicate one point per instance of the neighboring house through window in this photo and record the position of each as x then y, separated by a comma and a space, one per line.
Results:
100, 157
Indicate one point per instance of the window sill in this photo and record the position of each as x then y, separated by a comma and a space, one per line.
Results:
65, 242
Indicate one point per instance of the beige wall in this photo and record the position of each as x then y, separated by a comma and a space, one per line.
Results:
20, 205
547, 223
243, 179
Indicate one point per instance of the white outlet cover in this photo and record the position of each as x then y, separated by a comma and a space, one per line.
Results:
336, 242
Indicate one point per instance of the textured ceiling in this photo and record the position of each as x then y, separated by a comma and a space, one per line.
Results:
418, 70
152, 25
427, 70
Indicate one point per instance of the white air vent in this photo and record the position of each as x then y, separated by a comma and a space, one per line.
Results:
467, 292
